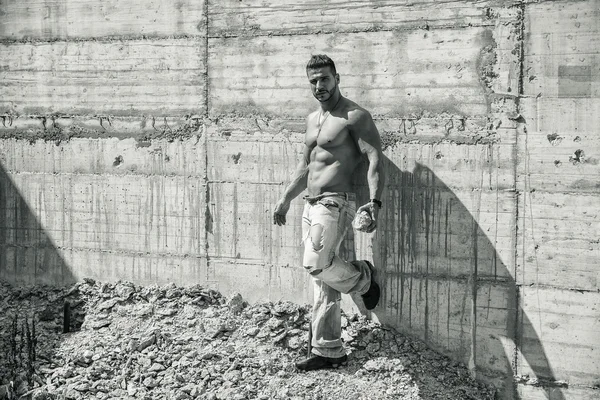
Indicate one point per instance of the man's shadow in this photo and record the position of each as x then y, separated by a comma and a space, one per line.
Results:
444, 282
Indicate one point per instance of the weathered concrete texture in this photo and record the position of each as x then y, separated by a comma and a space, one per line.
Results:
559, 241
559, 225
557, 161
260, 281
412, 70
557, 315
107, 208
61, 128
76, 19
426, 128
554, 114
106, 156
449, 207
562, 52
230, 18
440, 311
104, 212
154, 148
535, 392
149, 268
121, 77
249, 159
34, 257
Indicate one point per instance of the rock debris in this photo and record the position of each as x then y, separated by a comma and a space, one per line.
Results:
168, 342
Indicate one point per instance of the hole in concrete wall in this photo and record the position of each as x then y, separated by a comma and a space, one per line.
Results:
118, 161
577, 157
554, 139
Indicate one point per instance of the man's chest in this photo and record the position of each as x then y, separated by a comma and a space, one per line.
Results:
331, 132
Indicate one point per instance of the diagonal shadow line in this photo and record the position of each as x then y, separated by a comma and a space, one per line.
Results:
28, 255
36, 269
435, 254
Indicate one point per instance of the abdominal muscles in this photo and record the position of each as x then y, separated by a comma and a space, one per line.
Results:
330, 171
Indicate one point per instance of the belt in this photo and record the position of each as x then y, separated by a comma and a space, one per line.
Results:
312, 200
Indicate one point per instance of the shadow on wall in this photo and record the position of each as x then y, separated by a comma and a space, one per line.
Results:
28, 257
441, 269
27, 254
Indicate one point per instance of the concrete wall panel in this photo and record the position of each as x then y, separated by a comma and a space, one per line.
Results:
242, 225
434, 233
562, 52
440, 311
559, 338
154, 148
261, 282
146, 268
571, 263
531, 392
563, 162
68, 19
39, 264
558, 115
457, 166
111, 156
558, 149
234, 18
438, 72
131, 213
61, 128
252, 161
558, 242
112, 77
433, 129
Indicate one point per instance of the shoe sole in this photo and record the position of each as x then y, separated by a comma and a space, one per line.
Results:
329, 366
373, 280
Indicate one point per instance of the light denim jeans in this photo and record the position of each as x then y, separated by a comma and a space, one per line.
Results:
324, 224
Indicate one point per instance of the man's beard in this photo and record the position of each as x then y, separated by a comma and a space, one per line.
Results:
329, 92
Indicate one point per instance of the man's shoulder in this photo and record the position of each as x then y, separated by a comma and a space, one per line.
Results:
357, 113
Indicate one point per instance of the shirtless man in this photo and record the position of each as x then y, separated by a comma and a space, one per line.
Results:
337, 135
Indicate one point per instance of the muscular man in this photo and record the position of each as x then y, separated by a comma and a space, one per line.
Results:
338, 133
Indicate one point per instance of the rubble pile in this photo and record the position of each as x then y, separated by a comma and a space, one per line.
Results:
169, 342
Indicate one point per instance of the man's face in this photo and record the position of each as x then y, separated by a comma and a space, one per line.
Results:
322, 83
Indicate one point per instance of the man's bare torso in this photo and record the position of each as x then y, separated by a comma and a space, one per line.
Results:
334, 153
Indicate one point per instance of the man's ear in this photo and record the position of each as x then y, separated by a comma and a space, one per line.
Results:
337, 78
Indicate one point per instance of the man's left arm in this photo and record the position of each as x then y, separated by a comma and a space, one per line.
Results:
367, 137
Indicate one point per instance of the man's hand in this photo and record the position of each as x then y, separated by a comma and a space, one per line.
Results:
281, 209
373, 211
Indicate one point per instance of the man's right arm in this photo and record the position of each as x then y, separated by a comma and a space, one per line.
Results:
294, 188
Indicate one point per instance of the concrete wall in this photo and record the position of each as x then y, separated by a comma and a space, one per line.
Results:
149, 140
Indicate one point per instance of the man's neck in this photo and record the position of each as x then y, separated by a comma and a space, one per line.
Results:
330, 104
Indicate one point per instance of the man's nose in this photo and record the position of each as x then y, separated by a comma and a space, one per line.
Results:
320, 84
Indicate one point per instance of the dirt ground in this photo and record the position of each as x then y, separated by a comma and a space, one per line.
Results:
169, 342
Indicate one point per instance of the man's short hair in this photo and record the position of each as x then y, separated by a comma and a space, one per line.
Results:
321, 61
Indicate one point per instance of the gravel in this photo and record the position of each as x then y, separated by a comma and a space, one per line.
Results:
169, 342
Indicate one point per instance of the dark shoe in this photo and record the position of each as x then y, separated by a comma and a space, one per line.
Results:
371, 298
317, 362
